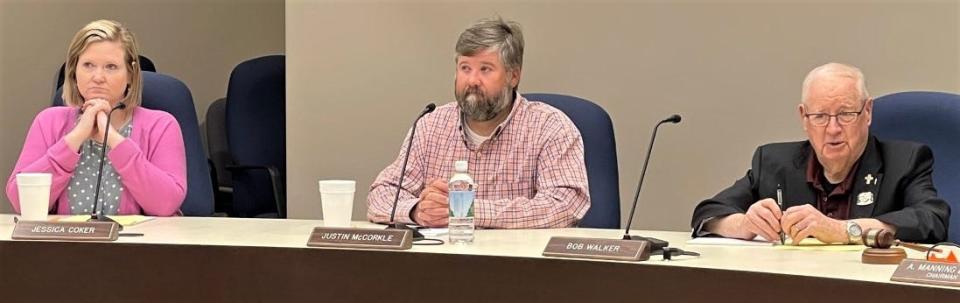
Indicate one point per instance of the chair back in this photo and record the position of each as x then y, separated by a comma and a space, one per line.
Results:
600, 155
931, 118
256, 135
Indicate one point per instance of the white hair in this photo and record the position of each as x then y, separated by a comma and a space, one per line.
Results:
836, 70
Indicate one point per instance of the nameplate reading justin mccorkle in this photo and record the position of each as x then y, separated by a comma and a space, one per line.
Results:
594, 248
71, 231
360, 238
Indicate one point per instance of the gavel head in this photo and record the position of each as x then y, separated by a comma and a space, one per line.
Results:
878, 238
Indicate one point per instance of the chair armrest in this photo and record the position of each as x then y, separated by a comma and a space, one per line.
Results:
274, 182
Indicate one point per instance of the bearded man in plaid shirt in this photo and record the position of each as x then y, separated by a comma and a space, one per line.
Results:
525, 156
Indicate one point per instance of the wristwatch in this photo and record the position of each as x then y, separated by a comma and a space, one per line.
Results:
854, 232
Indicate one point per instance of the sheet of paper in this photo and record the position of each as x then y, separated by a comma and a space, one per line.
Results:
815, 245
127, 220
727, 241
434, 232
809, 244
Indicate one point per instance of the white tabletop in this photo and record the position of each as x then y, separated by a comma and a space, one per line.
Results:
509, 243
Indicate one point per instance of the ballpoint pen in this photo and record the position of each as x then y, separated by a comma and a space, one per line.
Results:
780, 203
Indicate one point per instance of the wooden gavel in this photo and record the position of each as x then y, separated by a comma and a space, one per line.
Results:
880, 238
880, 251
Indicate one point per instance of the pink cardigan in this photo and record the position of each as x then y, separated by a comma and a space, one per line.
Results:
151, 162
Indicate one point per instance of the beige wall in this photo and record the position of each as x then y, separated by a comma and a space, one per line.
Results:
359, 71
199, 42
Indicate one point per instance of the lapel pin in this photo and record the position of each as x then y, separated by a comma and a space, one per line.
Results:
865, 198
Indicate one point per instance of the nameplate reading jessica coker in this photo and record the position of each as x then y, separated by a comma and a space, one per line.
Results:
71, 231
360, 238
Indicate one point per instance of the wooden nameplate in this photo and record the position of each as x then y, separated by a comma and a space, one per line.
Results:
70, 231
926, 272
595, 248
361, 238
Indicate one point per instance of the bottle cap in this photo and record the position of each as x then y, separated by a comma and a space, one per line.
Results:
460, 166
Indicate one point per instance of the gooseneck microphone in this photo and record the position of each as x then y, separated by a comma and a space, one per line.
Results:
655, 244
97, 214
403, 169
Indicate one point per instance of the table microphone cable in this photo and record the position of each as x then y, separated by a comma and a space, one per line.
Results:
670, 252
428, 241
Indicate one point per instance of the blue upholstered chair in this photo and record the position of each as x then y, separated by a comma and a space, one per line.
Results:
162, 92
931, 118
256, 136
600, 155
219, 154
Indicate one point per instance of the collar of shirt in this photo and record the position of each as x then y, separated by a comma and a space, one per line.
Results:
473, 137
518, 102
815, 173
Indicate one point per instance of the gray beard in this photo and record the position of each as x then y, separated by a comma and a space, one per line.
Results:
475, 105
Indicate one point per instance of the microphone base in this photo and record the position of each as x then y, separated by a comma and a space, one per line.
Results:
655, 244
104, 218
415, 233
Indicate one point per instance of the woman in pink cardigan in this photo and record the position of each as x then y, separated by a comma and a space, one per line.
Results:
145, 169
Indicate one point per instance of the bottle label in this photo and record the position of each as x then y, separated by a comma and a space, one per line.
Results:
461, 203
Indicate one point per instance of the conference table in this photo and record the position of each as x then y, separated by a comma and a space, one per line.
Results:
198, 259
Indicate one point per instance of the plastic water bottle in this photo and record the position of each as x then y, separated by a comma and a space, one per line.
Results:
462, 191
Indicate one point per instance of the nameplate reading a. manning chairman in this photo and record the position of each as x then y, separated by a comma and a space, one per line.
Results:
926, 272
360, 238
593, 248
71, 231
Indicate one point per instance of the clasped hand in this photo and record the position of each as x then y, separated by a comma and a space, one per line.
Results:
433, 209
92, 124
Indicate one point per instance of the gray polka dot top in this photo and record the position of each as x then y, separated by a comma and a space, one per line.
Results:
80, 190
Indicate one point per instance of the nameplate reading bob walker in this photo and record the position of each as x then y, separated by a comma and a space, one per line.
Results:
360, 238
594, 248
926, 272
71, 231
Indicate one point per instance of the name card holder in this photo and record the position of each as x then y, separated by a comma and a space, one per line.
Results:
361, 238
70, 231
594, 248
926, 272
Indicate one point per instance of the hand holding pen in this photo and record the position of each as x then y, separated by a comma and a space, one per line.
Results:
762, 218
780, 204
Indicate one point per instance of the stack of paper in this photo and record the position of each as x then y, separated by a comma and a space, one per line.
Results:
128, 220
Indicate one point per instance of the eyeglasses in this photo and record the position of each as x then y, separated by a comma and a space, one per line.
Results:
844, 118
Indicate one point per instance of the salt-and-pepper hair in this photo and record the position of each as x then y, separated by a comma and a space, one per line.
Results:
494, 34
98, 31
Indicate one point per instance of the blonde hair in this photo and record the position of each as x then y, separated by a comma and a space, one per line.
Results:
99, 31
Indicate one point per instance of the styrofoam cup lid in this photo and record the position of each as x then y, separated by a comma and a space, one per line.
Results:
40, 179
335, 186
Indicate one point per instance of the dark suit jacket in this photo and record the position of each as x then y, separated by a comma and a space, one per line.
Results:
902, 190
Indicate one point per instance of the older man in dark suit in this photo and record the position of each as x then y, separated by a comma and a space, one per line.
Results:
835, 185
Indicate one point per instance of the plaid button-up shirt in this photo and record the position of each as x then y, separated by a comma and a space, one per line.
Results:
529, 174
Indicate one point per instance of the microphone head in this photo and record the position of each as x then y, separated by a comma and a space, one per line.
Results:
430, 108
675, 118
